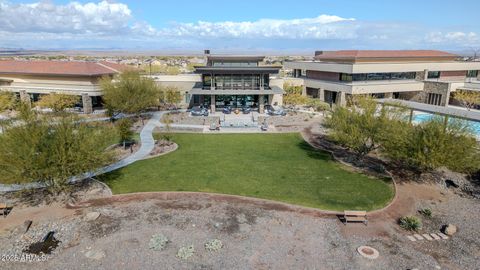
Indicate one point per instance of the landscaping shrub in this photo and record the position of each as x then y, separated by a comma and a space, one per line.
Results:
410, 223
214, 245
185, 252
427, 212
124, 128
158, 242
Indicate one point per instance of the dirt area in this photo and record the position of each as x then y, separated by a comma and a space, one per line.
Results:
255, 235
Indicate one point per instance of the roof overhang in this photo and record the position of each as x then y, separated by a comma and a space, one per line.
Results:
237, 70
275, 90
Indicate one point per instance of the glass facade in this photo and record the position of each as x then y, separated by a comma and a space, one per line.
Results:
345, 77
472, 73
233, 101
433, 74
236, 81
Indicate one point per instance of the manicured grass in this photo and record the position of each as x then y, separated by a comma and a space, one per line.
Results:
280, 167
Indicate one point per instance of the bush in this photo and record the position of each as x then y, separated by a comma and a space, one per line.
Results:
185, 252
427, 212
214, 245
124, 128
158, 242
410, 223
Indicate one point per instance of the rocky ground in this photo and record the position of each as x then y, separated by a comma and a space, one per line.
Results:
186, 119
115, 233
292, 122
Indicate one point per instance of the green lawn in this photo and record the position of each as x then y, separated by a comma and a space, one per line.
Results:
279, 167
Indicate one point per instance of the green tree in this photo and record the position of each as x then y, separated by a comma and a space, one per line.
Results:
51, 151
363, 126
129, 93
293, 95
8, 101
173, 96
124, 128
469, 99
57, 102
438, 143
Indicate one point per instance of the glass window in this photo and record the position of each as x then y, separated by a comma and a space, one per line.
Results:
433, 74
472, 73
207, 81
345, 77
227, 83
237, 82
219, 81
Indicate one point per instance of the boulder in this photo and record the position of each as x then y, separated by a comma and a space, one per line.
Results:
95, 254
92, 216
450, 229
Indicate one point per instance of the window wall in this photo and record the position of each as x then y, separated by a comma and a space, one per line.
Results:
345, 77
236, 81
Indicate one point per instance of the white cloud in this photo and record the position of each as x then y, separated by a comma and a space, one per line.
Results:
45, 17
108, 24
464, 38
321, 27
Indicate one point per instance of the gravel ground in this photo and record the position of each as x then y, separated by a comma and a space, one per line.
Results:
186, 119
253, 237
292, 122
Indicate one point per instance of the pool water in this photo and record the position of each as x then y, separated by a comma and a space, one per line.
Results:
423, 117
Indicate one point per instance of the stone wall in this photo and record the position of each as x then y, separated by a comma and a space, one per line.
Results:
420, 76
441, 88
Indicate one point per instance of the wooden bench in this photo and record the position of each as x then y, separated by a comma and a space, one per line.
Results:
3, 209
355, 216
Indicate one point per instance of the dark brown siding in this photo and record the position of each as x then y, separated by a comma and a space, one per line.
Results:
460, 73
321, 75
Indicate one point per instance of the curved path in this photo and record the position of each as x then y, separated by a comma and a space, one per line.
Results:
147, 145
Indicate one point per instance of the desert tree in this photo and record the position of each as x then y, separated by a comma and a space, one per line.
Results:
469, 99
52, 151
129, 93
57, 102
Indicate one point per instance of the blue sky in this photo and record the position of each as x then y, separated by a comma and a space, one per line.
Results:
241, 25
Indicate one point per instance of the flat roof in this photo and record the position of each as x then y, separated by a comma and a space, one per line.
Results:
237, 70
383, 55
220, 57
60, 68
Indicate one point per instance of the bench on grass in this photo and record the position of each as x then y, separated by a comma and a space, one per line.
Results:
3, 209
355, 216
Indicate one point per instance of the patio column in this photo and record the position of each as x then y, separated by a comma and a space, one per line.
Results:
87, 103
212, 103
341, 99
321, 94
261, 107
388, 95
304, 90
25, 97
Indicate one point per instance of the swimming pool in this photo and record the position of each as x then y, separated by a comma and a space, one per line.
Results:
423, 117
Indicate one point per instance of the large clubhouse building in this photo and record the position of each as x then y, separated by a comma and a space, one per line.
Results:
235, 81
424, 76
31, 79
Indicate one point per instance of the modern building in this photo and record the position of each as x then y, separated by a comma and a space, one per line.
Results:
425, 76
235, 81
31, 79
